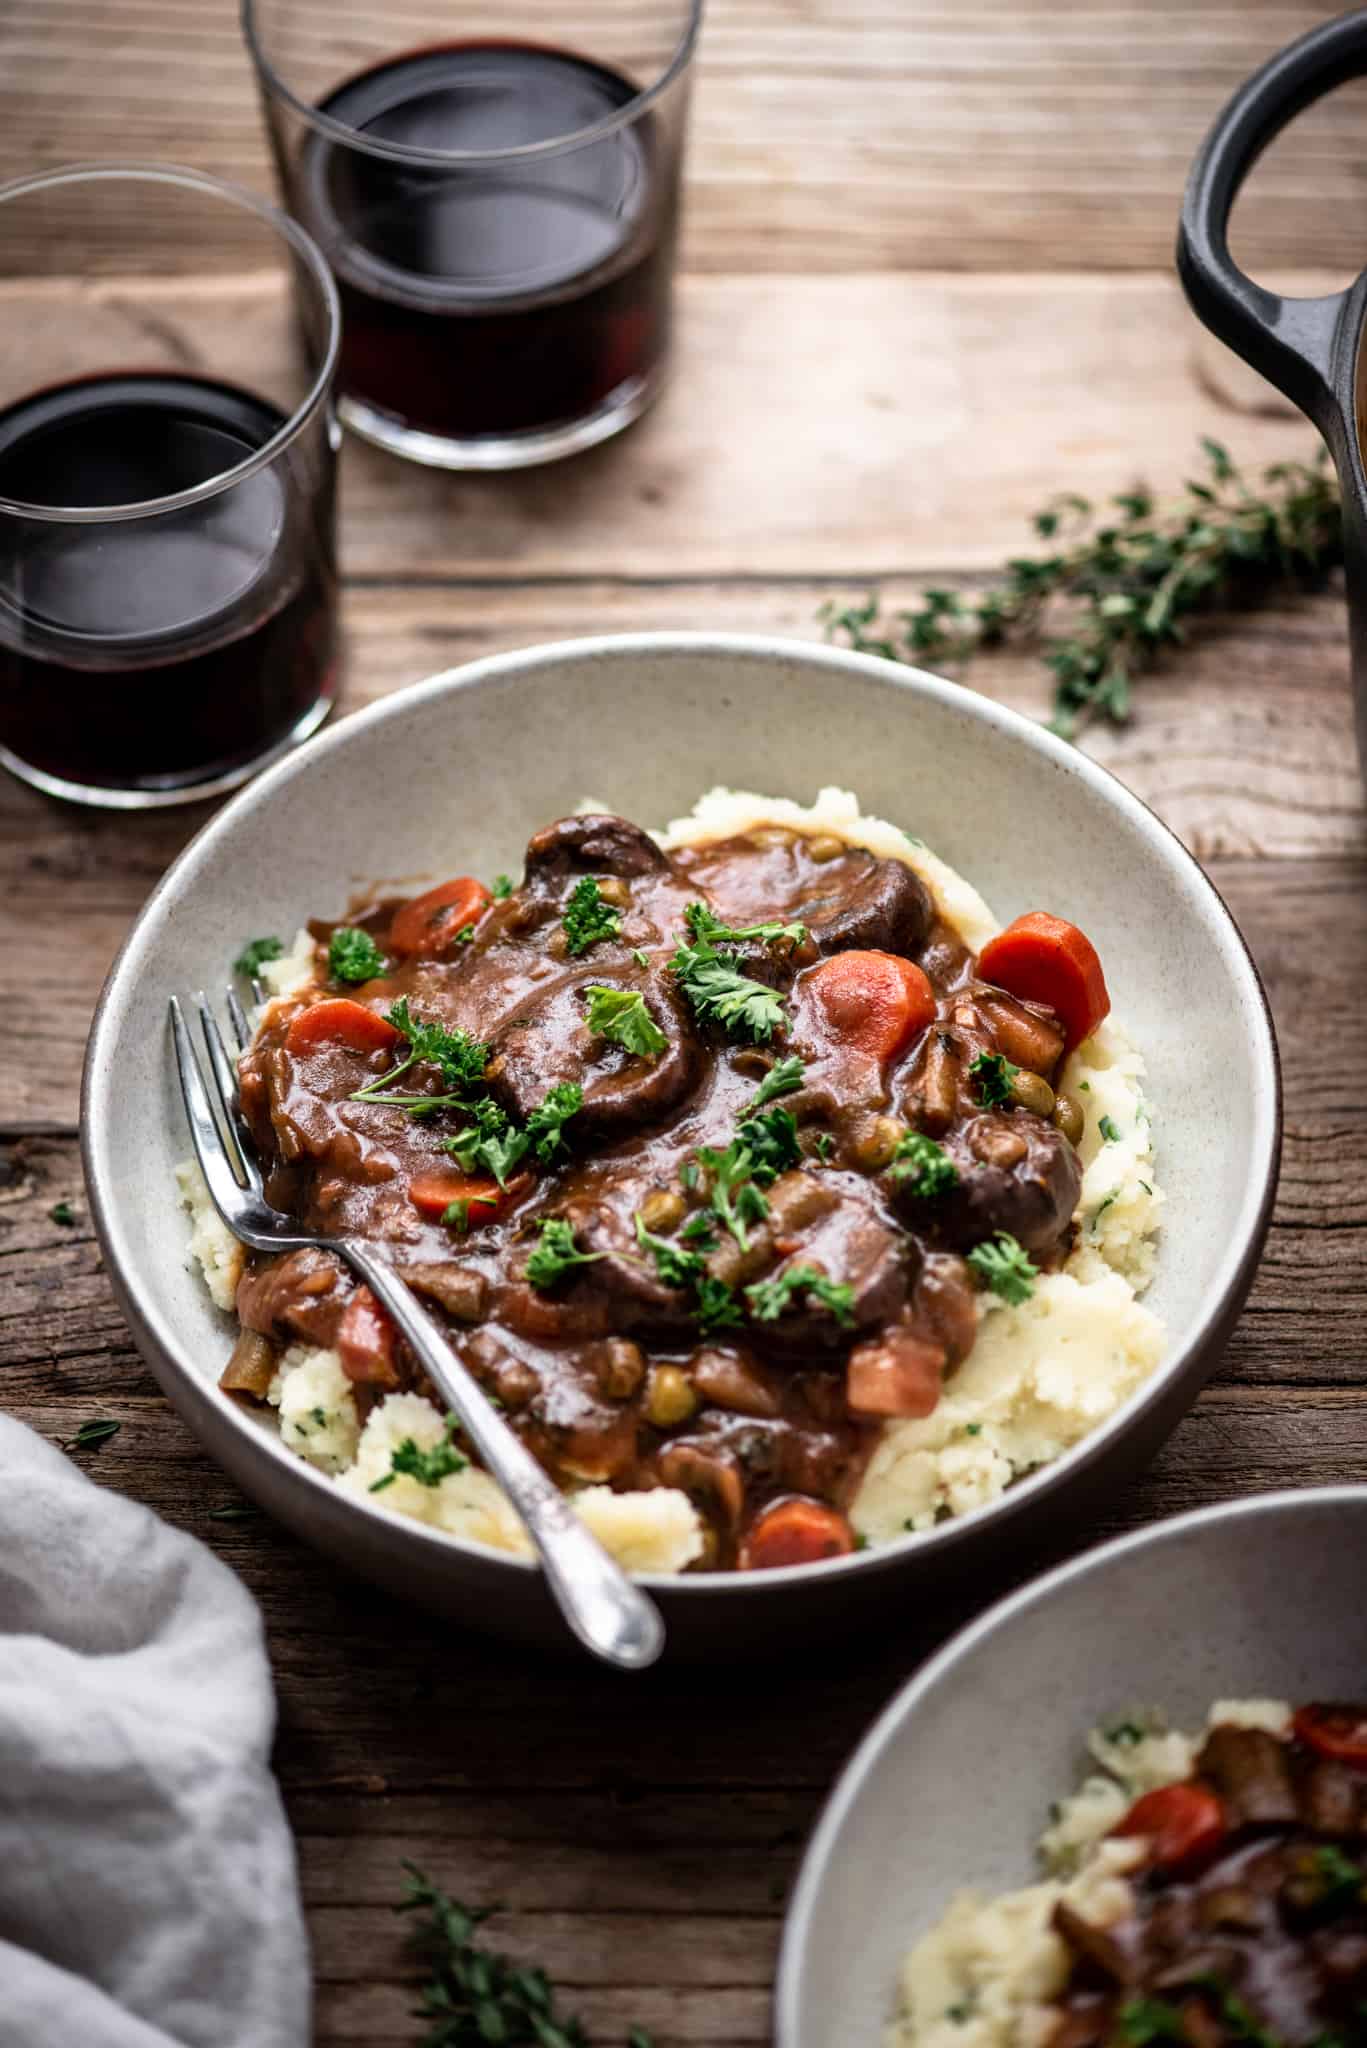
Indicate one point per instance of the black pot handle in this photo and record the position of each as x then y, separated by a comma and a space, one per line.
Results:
1290, 340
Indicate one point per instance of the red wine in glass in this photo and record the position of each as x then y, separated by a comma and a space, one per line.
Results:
511, 296
158, 652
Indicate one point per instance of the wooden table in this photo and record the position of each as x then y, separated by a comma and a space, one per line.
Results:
927, 284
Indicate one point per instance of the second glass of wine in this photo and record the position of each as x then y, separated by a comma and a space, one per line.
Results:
500, 211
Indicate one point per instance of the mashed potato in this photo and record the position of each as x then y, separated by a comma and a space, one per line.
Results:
984, 1975
1040, 1376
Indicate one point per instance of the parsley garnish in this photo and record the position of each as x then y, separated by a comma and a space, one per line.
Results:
676, 1268
556, 1254
491, 1141
1125, 1734
475, 1995
458, 1058
769, 1298
709, 930
993, 1073
546, 1124
824, 1145
736, 1199
588, 918
91, 1435
782, 1078
1338, 1876
722, 995
353, 955
714, 1304
620, 1015
771, 1140
1141, 2021
255, 954
429, 1468
922, 1167
1003, 1264
640, 956
62, 1212
1109, 1131
717, 1306
502, 888
456, 1215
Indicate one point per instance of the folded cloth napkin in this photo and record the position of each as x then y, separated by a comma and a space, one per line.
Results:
148, 1895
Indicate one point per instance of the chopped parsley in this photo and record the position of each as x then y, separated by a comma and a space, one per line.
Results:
1102, 1206
1125, 1734
1147, 1189
717, 989
556, 1254
456, 1215
973, 1429
458, 1058
62, 1212
736, 1199
782, 1078
502, 888
1141, 2021
546, 1124
676, 1267
353, 955
1338, 1878
993, 1074
823, 1144
492, 1141
588, 918
255, 954
921, 1167
1108, 1131
1003, 1264
771, 1140
768, 1299
620, 1015
706, 927
430, 1467
717, 1306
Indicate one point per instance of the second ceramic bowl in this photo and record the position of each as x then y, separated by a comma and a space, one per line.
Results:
453, 775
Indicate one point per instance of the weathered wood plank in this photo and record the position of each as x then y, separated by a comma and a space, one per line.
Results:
1016, 134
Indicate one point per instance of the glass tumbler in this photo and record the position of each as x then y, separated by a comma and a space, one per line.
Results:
500, 210
168, 584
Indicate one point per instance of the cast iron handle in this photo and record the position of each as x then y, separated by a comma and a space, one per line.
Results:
1291, 341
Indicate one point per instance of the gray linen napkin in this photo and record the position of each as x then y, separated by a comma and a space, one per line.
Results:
148, 1896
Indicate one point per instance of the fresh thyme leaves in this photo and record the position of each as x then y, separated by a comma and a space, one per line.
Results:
769, 1298
91, 1435
458, 1058
1127, 576
782, 1078
992, 1073
428, 1467
588, 918
255, 954
707, 928
353, 955
63, 1213
502, 888
721, 994
557, 1254
620, 1015
923, 1168
1108, 1131
546, 1124
676, 1267
1003, 1264
474, 1995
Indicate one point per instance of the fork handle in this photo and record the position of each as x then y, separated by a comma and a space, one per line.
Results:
611, 1617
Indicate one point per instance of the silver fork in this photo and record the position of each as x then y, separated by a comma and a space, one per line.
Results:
610, 1616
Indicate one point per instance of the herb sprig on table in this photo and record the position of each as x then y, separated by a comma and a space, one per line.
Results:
1116, 590
474, 1996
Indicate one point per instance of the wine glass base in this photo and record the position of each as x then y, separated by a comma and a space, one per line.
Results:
504, 451
159, 796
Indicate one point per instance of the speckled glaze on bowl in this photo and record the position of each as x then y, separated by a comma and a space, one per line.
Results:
454, 774
952, 1785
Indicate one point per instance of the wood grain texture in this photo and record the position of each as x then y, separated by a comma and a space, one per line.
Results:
894, 134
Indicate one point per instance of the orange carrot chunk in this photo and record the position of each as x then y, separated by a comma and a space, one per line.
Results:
875, 1001
1333, 1731
430, 926
1185, 1825
337, 1020
1044, 959
796, 1531
365, 1342
433, 1193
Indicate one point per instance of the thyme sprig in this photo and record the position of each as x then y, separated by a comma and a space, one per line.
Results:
1114, 595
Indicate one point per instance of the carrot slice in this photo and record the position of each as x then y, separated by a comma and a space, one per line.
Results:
795, 1531
431, 924
1334, 1731
432, 1194
365, 1342
1185, 1825
1044, 959
875, 1001
337, 1020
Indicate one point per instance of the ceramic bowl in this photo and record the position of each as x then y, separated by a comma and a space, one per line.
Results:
951, 1788
457, 771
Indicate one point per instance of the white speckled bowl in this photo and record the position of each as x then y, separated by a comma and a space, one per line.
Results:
952, 1785
456, 773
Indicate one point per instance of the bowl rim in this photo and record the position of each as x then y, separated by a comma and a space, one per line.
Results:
962, 1646
158, 1345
